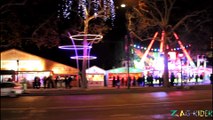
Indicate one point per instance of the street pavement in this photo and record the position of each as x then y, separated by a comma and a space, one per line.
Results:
110, 90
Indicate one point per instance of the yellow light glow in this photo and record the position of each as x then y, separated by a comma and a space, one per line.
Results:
123, 5
95, 77
27, 65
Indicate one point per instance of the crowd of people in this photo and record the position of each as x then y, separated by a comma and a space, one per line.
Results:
149, 80
117, 81
133, 81
50, 82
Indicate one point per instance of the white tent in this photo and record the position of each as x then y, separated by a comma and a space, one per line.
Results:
95, 76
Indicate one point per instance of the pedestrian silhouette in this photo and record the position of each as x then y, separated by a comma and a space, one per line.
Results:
172, 79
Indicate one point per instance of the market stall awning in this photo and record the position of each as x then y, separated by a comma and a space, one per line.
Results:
95, 70
125, 70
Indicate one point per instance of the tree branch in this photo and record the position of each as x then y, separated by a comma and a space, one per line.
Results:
12, 4
41, 25
153, 6
185, 18
200, 23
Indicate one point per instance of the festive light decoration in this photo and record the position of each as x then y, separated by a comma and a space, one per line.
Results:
157, 49
184, 50
83, 57
88, 10
147, 59
65, 9
80, 37
74, 47
85, 6
141, 62
112, 9
149, 47
89, 37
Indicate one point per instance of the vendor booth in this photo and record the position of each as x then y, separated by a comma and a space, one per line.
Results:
28, 66
122, 73
95, 76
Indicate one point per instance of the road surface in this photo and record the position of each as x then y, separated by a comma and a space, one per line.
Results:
130, 106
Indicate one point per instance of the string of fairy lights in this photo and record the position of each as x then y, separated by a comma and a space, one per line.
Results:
84, 7
65, 8
157, 49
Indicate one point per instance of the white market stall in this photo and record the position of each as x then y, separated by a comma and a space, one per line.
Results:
95, 76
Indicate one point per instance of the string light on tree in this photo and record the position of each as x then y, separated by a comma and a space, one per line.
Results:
87, 10
85, 6
65, 9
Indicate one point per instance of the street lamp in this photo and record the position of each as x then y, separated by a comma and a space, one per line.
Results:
181, 69
17, 69
128, 58
123, 5
127, 45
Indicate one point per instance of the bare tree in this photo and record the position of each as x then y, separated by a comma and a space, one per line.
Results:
19, 29
156, 15
10, 24
89, 10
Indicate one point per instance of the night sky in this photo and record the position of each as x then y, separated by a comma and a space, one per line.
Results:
110, 50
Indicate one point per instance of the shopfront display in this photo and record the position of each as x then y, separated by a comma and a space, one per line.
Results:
95, 76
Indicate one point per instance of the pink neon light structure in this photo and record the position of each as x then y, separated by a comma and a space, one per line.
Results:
184, 50
74, 47
149, 47
161, 48
80, 37
161, 43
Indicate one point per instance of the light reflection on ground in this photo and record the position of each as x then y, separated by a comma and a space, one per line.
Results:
159, 94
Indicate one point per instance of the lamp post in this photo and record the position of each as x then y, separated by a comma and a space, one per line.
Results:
128, 58
17, 69
127, 44
181, 68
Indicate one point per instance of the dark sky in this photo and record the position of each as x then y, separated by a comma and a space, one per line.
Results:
112, 44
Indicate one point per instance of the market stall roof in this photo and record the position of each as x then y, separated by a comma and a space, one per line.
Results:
95, 70
13, 58
125, 70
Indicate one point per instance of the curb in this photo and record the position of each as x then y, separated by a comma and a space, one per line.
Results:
60, 92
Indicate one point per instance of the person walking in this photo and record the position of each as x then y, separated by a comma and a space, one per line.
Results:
69, 82
45, 82
118, 82
113, 81
122, 81
134, 81
150, 80
160, 80
24, 84
172, 79
196, 79
211, 78
139, 81
57, 79
143, 81
50, 82
201, 77
65, 81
